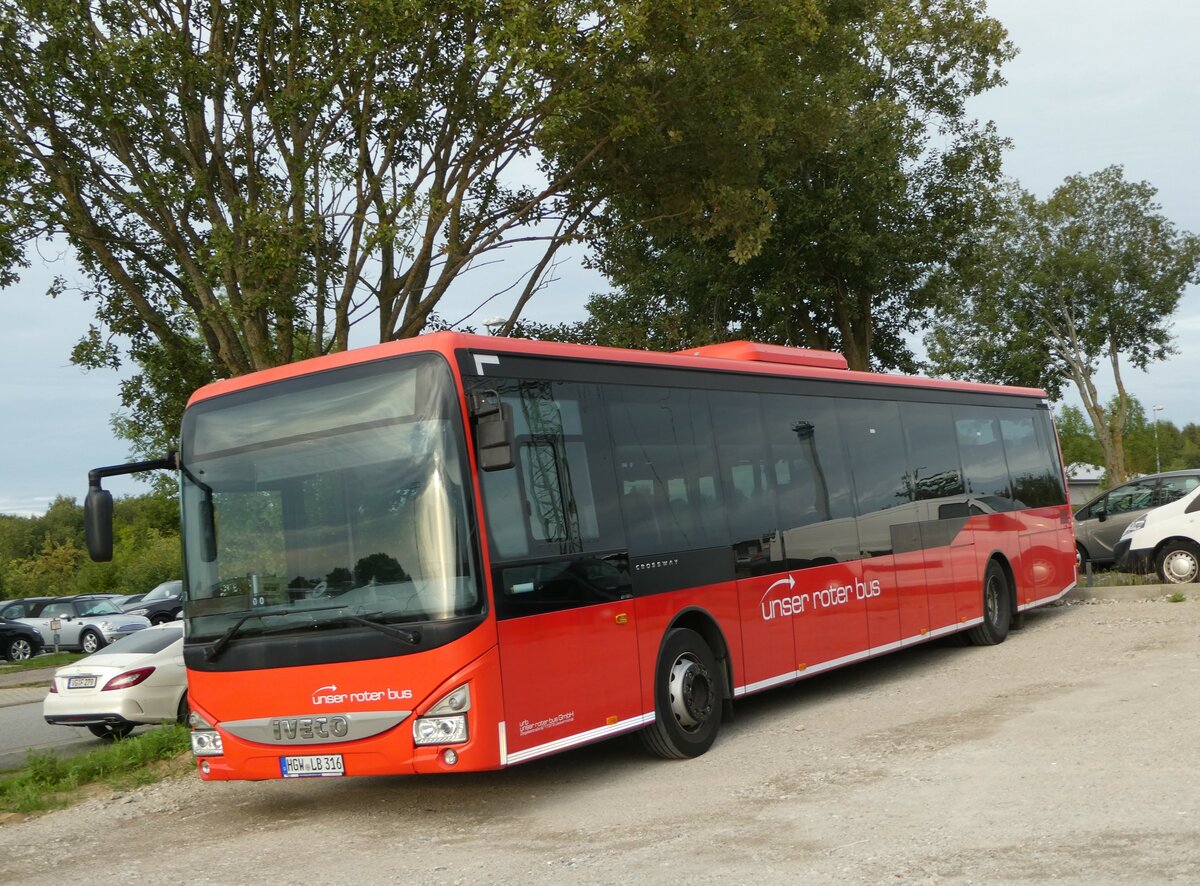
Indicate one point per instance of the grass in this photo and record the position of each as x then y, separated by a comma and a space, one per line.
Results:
48, 781
50, 660
1177, 597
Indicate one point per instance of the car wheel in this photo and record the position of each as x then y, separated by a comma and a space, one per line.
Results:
1178, 562
19, 649
160, 619
90, 641
1081, 558
110, 731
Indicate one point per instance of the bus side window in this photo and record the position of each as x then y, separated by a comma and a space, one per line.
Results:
984, 466
664, 454
553, 501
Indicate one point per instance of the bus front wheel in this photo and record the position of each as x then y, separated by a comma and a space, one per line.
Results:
997, 608
688, 695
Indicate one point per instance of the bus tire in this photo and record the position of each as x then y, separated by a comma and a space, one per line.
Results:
997, 608
688, 697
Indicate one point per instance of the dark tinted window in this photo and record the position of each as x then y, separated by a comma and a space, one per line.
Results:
809, 467
746, 471
666, 469
982, 452
875, 442
933, 449
1035, 479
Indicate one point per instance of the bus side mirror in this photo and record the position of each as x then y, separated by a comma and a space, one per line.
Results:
493, 431
97, 523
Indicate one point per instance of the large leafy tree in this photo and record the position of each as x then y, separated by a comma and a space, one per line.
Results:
243, 181
1088, 277
875, 178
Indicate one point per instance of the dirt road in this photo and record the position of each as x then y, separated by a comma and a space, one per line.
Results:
1066, 754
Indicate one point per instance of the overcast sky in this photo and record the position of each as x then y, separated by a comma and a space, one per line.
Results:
1097, 82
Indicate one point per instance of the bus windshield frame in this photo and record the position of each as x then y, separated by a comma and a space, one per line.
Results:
338, 501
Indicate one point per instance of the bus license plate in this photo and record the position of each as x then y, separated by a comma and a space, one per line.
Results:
310, 766
81, 682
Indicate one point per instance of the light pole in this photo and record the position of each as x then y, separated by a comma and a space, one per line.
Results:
1157, 464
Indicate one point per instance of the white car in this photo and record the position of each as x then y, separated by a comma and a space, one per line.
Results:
1165, 540
139, 679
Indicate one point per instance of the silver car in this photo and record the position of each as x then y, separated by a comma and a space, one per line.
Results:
1100, 522
85, 623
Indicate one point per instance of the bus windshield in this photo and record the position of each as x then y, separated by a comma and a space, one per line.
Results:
328, 500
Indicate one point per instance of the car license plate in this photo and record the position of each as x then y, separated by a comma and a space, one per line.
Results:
313, 765
81, 682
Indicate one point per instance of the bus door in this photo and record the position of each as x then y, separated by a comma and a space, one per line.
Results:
560, 569
568, 648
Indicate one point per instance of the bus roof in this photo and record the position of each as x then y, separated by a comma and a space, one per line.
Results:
736, 356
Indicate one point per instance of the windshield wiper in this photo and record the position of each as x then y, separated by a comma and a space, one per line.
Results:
214, 652
412, 638
217, 648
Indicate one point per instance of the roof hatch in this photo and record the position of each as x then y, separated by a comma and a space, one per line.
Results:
754, 352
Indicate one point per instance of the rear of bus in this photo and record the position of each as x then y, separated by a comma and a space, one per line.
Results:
335, 609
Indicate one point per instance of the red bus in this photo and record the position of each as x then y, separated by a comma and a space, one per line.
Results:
463, 552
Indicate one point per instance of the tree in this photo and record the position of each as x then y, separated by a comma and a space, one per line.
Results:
1090, 275
875, 178
1077, 438
243, 182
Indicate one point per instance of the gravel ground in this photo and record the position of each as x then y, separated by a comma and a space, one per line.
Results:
1065, 754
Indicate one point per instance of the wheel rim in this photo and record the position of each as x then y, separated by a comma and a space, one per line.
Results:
21, 650
991, 601
90, 644
690, 689
1180, 567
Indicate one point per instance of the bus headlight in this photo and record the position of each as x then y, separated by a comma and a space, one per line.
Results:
446, 721
206, 741
440, 730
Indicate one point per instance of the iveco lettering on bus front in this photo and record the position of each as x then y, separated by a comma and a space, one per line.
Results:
461, 552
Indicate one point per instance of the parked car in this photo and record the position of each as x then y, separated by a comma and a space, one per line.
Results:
1165, 540
85, 623
140, 679
19, 641
159, 605
1100, 522
24, 607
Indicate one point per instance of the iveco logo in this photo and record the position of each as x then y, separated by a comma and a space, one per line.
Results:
310, 728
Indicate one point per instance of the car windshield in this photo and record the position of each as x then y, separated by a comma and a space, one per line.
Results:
326, 497
163, 591
96, 607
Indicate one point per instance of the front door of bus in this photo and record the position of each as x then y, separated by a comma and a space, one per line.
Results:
568, 652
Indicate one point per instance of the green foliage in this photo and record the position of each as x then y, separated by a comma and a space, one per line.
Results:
46, 780
1089, 276
872, 177
1149, 446
46, 555
1077, 439
242, 182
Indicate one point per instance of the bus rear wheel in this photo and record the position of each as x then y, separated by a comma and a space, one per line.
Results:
688, 696
997, 608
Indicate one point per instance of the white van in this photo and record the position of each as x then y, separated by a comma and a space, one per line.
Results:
1165, 540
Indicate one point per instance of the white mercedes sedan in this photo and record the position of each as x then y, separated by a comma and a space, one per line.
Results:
139, 679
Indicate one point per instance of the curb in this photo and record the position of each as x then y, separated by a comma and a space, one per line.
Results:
1130, 593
